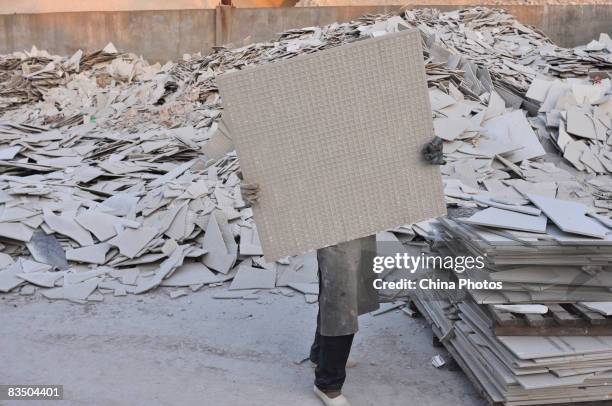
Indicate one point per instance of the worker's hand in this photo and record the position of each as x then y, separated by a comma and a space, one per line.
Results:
432, 152
249, 193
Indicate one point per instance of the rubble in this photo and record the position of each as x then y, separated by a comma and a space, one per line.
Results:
437, 361
111, 156
118, 177
578, 112
512, 53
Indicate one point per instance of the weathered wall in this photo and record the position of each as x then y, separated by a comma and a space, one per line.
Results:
157, 35
572, 26
569, 25
160, 35
63, 6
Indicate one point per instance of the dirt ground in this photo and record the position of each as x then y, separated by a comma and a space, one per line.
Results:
196, 350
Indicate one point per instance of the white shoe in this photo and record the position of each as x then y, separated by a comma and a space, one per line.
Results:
327, 401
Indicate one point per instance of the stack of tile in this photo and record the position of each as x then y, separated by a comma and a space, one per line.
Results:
545, 335
488, 234
519, 370
548, 267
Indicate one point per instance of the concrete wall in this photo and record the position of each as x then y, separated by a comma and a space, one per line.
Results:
64, 6
167, 34
566, 25
157, 35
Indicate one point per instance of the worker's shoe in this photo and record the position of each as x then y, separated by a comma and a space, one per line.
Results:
339, 400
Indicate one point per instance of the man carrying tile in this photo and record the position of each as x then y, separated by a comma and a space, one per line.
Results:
346, 291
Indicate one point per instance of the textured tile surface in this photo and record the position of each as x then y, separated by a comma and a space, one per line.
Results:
333, 139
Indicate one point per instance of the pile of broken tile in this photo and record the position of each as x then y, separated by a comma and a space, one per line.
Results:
106, 187
105, 184
511, 51
577, 111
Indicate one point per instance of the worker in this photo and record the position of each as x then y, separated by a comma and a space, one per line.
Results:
346, 291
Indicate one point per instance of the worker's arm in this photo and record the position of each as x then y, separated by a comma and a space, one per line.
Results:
249, 192
432, 152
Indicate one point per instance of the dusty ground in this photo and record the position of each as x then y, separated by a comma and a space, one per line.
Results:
195, 350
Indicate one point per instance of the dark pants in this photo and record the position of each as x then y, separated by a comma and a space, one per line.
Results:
330, 353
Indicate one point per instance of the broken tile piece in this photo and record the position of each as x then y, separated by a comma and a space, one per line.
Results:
237, 294
16, 231
5, 260
44, 279
524, 309
450, 128
95, 297
27, 290
101, 225
253, 278
569, 216
67, 226
75, 292
9, 279
46, 249
604, 308
498, 218
219, 257
192, 273
249, 241
305, 288
133, 240
175, 294
93, 254
580, 124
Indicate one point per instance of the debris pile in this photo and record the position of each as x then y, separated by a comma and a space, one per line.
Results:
512, 52
29, 76
578, 112
106, 186
528, 175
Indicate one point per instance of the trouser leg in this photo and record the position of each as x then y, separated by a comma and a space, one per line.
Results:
330, 353
315, 348
330, 372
